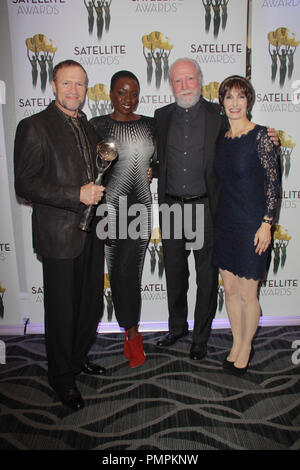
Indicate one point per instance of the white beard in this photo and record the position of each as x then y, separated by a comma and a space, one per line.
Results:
187, 104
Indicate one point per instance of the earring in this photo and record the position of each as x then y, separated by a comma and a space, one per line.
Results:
222, 112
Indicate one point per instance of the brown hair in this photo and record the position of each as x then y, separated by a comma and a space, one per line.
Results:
241, 83
67, 63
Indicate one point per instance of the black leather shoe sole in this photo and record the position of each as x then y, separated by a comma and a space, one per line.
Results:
93, 369
198, 352
71, 398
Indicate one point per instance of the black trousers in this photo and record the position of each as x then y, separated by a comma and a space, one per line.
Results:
125, 271
176, 255
73, 303
125, 261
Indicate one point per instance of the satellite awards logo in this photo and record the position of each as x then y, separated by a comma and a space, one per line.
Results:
280, 242
2, 290
282, 47
220, 294
108, 298
40, 54
219, 10
156, 51
102, 16
286, 149
101, 101
156, 253
211, 91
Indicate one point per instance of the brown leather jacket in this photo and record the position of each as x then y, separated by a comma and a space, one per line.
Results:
49, 171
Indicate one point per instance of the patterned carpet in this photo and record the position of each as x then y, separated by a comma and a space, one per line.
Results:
169, 404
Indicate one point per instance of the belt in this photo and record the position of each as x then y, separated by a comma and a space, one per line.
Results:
187, 198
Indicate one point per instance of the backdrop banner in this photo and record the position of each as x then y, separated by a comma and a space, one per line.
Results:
10, 307
275, 39
145, 37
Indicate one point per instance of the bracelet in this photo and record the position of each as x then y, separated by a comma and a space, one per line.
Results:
267, 221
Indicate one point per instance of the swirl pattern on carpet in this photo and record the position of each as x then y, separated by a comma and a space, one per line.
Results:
169, 403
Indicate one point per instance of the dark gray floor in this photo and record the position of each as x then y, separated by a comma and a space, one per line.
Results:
169, 404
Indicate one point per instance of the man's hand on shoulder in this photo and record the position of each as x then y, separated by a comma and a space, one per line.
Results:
273, 136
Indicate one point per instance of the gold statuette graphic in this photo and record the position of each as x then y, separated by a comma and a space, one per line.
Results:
156, 49
155, 251
217, 8
106, 155
99, 11
108, 298
280, 243
211, 91
2, 290
101, 101
220, 294
282, 47
287, 146
40, 53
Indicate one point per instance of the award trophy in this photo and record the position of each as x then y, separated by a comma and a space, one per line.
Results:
106, 155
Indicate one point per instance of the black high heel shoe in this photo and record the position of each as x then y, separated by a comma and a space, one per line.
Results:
239, 371
227, 364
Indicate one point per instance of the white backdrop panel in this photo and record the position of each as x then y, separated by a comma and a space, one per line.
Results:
120, 36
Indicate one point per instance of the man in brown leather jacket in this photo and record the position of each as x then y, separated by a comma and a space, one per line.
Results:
54, 169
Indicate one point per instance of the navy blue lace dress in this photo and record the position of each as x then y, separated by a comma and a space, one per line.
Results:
248, 169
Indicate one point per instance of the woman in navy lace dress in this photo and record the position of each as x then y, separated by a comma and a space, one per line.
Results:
247, 166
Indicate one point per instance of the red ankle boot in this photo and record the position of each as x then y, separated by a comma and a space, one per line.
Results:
135, 351
126, 346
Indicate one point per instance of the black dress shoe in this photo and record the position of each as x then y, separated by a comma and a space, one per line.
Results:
170, 339
93, 369
198, 351
71, 398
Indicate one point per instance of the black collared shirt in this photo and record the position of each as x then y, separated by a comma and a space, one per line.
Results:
82, 141
185, 152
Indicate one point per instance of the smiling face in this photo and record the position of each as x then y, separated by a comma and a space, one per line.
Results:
235, 104
69, 89
186, 83
125, 98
